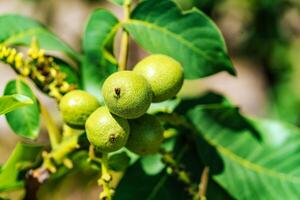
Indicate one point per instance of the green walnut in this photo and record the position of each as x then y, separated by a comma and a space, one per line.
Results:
164, 74
127, 94
146, 135
106, 131
76, 106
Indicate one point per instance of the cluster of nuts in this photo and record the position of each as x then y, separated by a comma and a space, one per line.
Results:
127, 95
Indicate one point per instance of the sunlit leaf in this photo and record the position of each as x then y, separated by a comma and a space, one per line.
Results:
24, 121
254, 167
19, 30
10, 102
189, 37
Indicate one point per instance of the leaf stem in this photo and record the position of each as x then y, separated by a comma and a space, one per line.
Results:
125, 38
53, 131
92, 155
203, 183
105, 179
173, 167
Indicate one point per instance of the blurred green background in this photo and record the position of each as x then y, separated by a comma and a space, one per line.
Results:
263, 39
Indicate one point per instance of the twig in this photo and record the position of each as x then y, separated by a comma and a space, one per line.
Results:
180, 172
125, 39
105, 179
32, 186
57, 156
92, 155
203, 183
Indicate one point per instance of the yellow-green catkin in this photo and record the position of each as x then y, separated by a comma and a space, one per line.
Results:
39, 67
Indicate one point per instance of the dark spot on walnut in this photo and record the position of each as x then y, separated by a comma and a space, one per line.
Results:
117, 92
112, 138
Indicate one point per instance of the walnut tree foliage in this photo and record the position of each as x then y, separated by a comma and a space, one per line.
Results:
210, 149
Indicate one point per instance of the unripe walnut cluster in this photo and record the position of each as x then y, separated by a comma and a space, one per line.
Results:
127, 95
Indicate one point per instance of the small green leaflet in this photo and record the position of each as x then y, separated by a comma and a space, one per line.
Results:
24, 121
23, 157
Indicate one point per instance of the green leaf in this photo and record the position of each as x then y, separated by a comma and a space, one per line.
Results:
10, 102
167, 106
189, 37
23, 121
72, 74
23, 157
99, 61
119, 161
208, 98
181, 106
138, 184
19, 30
253, 167
152, 164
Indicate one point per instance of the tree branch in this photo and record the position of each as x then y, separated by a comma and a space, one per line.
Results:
203, 183
125, 39
53, 132
105, 179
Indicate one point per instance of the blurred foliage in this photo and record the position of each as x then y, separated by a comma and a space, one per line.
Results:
270, 42
268, 39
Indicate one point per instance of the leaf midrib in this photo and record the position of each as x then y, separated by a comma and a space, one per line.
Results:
12, 106
250, 165
157, 187
166, 31
21, 34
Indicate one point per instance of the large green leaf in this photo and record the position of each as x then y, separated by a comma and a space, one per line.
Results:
99, 61
190, 37
207, 98
264, 167
10, 102
22, 158
19, 30
136, 184
24, 121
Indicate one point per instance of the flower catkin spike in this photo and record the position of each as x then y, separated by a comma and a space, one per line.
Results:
38, 66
